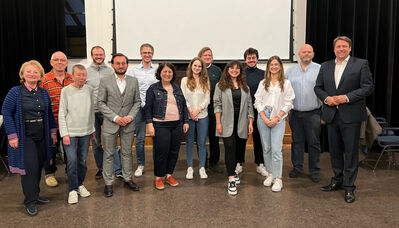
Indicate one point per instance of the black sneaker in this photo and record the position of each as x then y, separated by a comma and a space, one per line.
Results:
31, 209
99, 174
237, 179
119, 176
294, 173
232, 188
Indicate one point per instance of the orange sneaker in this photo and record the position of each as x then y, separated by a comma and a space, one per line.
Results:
171, 181
159, 184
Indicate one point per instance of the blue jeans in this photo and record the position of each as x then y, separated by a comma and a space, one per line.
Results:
305, 127
98, 149
202, 129
272, 143
140, 137
76, 153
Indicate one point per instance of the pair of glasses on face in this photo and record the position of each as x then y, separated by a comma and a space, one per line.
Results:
59, 60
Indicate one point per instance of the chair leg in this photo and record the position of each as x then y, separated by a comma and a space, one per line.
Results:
379, 158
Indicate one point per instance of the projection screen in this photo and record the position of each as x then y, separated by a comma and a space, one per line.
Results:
178, 29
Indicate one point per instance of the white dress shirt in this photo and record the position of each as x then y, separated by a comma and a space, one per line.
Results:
339, 70
121, 83
275, 98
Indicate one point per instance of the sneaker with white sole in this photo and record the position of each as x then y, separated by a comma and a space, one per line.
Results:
190, 173
237, 179
73, 197
238, 168
261, 169
202, 173
82, 191
278, 185
232, 188
269, 180
139, 171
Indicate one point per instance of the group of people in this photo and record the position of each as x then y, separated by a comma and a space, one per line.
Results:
100, 104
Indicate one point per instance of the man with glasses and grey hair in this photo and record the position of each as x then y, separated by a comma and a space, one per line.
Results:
53, 82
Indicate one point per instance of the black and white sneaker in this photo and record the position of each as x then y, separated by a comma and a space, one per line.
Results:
231, 188
237, 179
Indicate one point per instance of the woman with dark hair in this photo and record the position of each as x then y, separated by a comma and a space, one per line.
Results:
30, 126
166, 116
273, 100
234, 116
196, 90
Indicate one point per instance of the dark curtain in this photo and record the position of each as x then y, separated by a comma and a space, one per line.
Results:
30, 29
373, 26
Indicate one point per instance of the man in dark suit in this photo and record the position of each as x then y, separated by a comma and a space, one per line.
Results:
343, 85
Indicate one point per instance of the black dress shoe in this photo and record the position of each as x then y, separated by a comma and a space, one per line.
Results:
108, 191
332, 187
294, 173
315, 177
133, 186
349, 196
99, 174
41, 200
31, 209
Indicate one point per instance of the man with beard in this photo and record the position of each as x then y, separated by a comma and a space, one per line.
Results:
95, 72
254, 76
119, 101
304, 118
53, 82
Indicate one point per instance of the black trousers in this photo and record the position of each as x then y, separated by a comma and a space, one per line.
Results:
34, 159
214, 151
343, 140
166, 146
258, 152
51, 168
234, 147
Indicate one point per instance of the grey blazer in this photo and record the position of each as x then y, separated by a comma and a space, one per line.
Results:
223, 103
112, 103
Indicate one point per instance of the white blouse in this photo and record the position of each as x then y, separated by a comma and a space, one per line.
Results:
275, 98
196, 99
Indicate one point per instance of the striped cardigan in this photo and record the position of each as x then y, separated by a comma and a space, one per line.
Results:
14, 124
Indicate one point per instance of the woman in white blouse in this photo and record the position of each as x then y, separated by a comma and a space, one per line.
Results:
273, 100
196, 90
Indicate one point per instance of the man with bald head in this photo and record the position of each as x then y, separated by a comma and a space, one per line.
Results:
304, 118
53, 82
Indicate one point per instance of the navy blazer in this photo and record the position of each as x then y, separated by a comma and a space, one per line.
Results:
356, 83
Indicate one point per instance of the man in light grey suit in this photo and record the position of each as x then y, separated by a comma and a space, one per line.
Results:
119, 101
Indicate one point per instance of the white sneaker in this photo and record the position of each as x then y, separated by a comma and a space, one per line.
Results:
83, 191
202, 173
139, 171
231, 188
261, 169
278, 185
269, 180
190, 173
73, 197
238, 168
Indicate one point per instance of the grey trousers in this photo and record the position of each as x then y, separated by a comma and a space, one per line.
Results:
110, 142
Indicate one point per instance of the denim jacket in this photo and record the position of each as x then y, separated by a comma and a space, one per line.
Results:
156, 101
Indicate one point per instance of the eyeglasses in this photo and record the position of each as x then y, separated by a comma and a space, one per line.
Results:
120, 63
59, 60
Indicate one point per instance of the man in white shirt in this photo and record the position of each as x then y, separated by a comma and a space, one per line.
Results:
145, 75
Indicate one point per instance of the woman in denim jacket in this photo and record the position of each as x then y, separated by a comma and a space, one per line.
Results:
167, 118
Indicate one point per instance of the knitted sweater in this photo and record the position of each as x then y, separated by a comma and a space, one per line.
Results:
14, 124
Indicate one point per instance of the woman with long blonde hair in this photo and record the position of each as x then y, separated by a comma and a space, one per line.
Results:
273, 100
196, 90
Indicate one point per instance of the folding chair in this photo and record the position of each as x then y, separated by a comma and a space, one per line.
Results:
388, 140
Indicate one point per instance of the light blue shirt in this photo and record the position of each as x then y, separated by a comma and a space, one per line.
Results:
303, 83
145, 77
